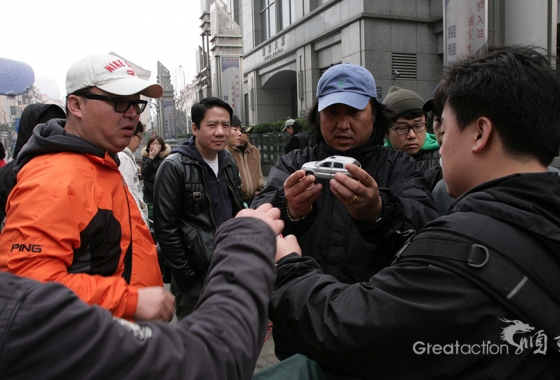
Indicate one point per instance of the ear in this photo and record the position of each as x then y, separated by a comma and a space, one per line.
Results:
194, 129
74, 104
483, 130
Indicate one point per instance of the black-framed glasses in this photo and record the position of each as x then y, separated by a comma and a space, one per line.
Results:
121, 104
405, 129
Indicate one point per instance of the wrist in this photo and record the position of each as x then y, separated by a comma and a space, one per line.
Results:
291, 217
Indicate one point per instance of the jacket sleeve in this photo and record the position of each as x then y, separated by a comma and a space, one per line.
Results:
168, 195
43, 231
261, 179
407, 203
222, 339
371, 329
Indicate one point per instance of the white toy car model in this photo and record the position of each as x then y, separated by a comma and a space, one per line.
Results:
328, 167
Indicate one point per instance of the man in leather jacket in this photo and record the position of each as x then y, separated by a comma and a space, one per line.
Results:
197, 188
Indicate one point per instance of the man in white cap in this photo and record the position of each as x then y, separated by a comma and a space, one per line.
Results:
298, 139
70, 217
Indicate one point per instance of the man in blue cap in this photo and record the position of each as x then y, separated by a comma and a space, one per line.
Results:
351, 226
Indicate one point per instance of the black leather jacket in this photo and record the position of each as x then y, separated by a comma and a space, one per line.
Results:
185, 216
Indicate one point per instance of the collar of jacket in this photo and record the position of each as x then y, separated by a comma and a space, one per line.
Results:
51, 137
162, 153
529, 200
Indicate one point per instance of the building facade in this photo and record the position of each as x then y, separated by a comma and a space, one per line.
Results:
288, 44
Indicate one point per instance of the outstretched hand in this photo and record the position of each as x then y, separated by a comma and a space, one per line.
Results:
285, 246
268, 214
360, 195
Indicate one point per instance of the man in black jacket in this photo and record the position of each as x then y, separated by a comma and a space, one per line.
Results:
48, 333
298, 139
197, 188
351, 226
501, 128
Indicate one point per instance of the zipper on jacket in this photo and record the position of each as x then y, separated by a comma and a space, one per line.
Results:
210, 204
127, 272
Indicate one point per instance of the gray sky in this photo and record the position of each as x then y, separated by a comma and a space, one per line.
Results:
52, 35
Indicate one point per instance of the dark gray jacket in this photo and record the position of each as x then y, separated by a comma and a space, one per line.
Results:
46, 332
190, 203
381, 329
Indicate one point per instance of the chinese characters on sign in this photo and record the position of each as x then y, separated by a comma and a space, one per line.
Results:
465, 28
274, 48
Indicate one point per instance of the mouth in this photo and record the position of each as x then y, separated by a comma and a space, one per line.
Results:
343, 139
128, 131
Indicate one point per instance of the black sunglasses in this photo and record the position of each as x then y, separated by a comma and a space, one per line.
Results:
121, 104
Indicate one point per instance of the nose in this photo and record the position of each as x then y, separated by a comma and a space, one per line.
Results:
131, 113
411, 134
343, 122
220, 130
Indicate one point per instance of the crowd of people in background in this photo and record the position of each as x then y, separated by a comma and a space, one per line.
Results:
444, 236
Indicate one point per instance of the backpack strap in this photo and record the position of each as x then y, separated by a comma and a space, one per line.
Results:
493, 271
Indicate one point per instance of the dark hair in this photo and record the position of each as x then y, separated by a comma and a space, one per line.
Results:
381, 117
296, 127
152, 139
2, 151
198, 111
235, 122
516, 89
140, 129
408, 115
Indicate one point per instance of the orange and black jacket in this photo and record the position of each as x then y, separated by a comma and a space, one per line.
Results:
71, 219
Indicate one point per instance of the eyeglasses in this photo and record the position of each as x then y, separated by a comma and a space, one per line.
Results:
121, 104
139, 136
405, 129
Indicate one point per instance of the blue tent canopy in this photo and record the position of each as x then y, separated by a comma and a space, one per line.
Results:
15, 77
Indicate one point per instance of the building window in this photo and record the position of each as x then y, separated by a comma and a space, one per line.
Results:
288, 12
268, 19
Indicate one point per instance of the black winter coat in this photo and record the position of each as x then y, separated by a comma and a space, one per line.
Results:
382, 328
345, 248
297, 141
149, 169
48, 333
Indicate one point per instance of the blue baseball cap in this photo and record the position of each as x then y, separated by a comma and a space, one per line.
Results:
348, 84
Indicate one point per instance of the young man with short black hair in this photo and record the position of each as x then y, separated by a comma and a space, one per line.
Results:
434, 309
197, 188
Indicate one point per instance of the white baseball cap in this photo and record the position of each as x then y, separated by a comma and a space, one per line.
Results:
111, 74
